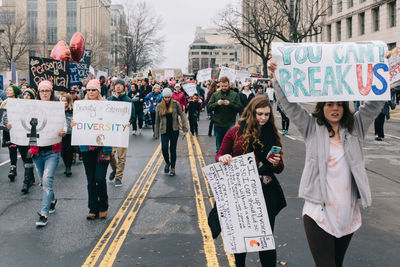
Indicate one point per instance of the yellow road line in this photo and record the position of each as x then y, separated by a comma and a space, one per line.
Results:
108, 233
208, 242
199, 154
116, 244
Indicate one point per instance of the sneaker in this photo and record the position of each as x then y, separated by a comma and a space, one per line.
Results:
112, 176
378, 138
118, 182
103, 214
197, 133
133, 132
42, 221
166, 168
140, 131
92, 215
172, 172
53, 206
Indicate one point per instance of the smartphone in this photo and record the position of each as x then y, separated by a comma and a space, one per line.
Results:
274, 150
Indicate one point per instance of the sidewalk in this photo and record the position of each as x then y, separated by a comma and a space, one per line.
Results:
395, 113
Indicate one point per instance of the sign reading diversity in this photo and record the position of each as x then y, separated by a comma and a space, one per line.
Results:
316, 72
35, 122
101, 123
56, 71
204, 75
240, 203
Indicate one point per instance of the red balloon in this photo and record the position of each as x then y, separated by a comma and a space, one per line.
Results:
77, 46
61, 51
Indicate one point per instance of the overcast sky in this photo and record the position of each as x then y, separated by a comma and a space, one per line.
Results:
181, 17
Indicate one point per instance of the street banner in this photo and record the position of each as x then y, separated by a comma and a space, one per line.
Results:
56, 71
204, 75
84, 64
230, 73
101, 123
241, 76
394, 68
190, 88
74, 74
101, 73
319, 72
35, 122
169, 73
241, 206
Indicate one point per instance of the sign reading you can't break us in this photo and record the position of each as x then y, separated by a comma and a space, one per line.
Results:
315, 72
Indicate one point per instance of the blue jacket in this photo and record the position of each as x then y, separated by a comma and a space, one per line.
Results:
123, 97
152, 99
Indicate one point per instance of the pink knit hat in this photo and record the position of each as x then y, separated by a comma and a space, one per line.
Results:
45, 84
93, 84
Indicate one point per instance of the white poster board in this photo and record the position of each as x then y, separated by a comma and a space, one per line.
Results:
169, 73
242, 75
240, 203
394, 70
317, 72
190, 88
101, 73
35, 122
204, 75
101, 123
159, 77
91, 70
228, 72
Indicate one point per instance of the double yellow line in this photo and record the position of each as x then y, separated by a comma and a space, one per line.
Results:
125, 216
208, 242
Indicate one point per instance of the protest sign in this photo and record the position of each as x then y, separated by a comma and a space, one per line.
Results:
101, 123
190, 88
169, 73
84, 64
92, 71
242, 76
230, 73
35, 122
204, 75
240, 203
394, 68
316, 72
56, 71
74, 74
101, 73
159, 77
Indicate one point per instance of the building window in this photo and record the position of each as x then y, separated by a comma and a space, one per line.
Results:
52, 21
32, 20
224, 54
330, 7
339, 6
32, 53
349, 27
361, 23
392, 14
338, 31
195, 53
375, 19
204, 53
391, 46
71, 18
350, 3
329, 33
362, 1
204, 63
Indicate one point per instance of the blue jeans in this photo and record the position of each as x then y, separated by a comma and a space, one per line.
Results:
172, 139
46, 163
96, 182
219, 134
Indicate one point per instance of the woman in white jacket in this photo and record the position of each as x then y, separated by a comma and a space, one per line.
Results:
334, 181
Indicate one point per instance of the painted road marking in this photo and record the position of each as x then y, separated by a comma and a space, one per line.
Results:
200, 158
108, 233
116, 244
7, 161
208, 242
392, 136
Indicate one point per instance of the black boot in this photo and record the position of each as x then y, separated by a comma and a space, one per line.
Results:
68, 172
13, 173
29, 179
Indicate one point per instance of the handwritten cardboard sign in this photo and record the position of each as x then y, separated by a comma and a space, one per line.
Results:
84, 65
394, 70
242, 75
190, 88
56, 71
35, 122
228, 72
101, 123
204, 75
241, 206
317, 72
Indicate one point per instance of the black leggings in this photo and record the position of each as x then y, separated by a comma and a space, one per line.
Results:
327, 250
67, 150
379, 122
285, 121
13, 151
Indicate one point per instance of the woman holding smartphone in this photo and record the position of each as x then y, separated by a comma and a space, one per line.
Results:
334, 182
256, 132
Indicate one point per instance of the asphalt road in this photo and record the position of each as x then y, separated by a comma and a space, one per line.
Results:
158, 220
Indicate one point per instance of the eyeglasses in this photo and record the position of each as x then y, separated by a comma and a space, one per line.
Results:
45, 91
91, 90
265, 114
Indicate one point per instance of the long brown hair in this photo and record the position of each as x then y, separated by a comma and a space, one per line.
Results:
347, 121
70, 101
164, 109
252, 130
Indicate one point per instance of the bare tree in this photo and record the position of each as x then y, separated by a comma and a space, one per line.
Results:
14, 39
303, 18
97, 43
253, 25
141, 45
